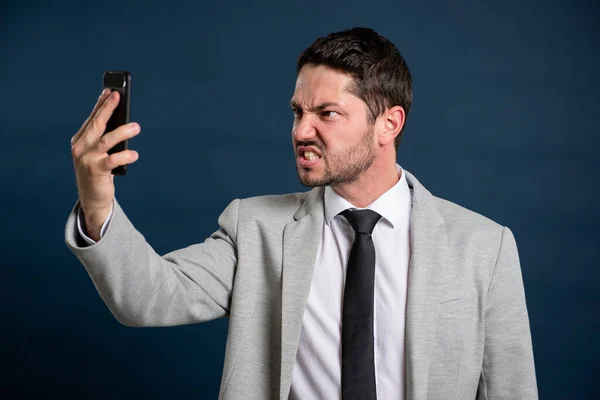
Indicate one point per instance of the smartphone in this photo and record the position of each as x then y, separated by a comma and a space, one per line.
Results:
121, 82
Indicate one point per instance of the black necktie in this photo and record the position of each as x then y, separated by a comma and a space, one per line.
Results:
358, 366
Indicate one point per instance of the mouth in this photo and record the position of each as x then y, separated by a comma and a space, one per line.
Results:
307, 156
308, 153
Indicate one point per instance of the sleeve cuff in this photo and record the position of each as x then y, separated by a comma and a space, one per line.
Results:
85, 237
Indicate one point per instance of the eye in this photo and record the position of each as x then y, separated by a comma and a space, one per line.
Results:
329, 113
297, 112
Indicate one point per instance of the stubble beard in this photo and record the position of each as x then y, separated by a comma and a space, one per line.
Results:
347, 167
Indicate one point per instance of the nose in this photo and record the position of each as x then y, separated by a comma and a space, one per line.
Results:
304, 130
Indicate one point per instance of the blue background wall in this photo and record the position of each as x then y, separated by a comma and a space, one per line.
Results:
504, 122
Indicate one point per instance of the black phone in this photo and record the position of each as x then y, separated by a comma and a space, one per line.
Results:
121, 82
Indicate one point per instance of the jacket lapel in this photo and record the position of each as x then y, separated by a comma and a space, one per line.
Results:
425, 281
301, 240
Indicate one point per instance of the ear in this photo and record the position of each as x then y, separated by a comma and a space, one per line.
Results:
393, 121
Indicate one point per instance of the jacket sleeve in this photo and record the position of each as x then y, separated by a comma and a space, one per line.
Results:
142, 288
508, 370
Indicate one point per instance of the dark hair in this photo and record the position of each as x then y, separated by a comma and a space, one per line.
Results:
381, 76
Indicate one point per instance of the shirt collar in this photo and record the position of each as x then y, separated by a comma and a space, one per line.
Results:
387, 205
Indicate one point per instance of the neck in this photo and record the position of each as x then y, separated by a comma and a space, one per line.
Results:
371, 184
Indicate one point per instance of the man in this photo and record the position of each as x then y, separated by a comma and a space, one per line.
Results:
365, 287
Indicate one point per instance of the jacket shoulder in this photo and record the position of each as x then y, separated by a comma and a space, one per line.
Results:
465, 224
272, 207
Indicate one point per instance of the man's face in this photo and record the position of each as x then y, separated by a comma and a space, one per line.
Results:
333, 140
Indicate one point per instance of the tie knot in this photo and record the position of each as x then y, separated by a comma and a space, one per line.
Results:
362, 221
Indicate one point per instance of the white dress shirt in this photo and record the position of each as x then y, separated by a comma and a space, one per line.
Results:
85, 237
317, 371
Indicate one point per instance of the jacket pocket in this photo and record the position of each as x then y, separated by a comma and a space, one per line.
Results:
453, 306
448, 347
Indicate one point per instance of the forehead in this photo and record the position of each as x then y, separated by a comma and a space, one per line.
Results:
316, 84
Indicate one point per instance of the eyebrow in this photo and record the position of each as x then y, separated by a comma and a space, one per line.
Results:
319, 107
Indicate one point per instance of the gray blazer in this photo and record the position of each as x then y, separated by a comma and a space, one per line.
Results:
467, 327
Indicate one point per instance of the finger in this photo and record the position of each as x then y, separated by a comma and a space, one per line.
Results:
108, 140
101, 100
97, 125
117, 159
105, 93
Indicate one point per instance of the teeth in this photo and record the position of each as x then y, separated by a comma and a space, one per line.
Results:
309, 155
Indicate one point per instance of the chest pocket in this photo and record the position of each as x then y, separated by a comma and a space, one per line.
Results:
449, 344
454, 306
